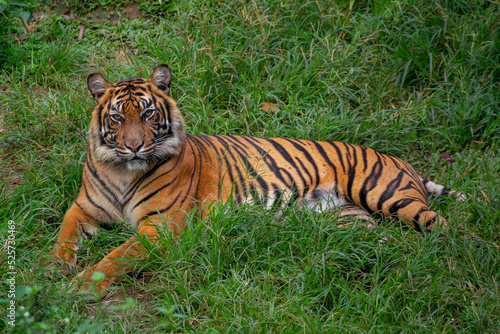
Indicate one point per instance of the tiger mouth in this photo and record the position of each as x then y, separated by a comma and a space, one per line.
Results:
137, 159
137, 163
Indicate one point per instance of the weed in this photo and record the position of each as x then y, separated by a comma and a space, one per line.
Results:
413, 79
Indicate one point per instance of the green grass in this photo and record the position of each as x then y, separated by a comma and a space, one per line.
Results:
411, 79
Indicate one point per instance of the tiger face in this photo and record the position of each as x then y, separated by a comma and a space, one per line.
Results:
135, 123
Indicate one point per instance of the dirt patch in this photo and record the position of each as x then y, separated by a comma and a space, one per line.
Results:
115, 14
133, 11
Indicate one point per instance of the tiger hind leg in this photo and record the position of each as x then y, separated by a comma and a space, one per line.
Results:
414, 212
351, 214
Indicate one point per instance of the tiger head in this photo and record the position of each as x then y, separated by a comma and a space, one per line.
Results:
135, 123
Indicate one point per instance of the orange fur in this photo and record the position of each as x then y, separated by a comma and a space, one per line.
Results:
143, 168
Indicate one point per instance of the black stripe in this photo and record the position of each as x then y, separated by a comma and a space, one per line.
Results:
400, 204
417, 217
432, 221
236, 189
295, 194
243, 159
339, 154
326, 158
445, 191
298, 145
93, 187
155, 192
94, 203
390, 189
201, 153
188, 141
99, 113
251, 170
370, 183
277, 196
268, 158
162, 210
241, 152
103, 185
207, 140
78, 205
424, 190
351, 173
311, 181
364, 155
396, 162
409, 185
281, 150
408, 170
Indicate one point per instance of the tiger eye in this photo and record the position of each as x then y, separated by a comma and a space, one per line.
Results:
148, 113
117, 118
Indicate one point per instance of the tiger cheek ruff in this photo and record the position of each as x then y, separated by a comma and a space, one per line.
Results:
142, 168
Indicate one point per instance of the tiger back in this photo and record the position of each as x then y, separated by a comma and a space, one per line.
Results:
142, 168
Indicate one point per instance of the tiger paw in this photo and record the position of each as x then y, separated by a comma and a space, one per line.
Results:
91, 281
63, 260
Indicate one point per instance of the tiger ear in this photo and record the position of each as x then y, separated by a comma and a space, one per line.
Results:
162, 77
97, 85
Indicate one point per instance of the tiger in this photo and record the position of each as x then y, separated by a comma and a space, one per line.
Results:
142, 168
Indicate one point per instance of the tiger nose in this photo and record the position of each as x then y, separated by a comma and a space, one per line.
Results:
135, 147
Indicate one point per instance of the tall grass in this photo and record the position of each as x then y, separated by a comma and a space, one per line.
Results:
414, 79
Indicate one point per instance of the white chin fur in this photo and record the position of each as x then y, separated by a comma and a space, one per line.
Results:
137, 165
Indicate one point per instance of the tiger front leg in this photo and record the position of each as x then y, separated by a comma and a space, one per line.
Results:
120, 261
75, 223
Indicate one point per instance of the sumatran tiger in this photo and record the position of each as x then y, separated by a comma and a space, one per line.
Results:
141, 167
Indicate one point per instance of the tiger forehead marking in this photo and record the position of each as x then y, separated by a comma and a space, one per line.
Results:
132, 96
143, 168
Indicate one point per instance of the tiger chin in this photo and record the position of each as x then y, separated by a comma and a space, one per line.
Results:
143, 168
